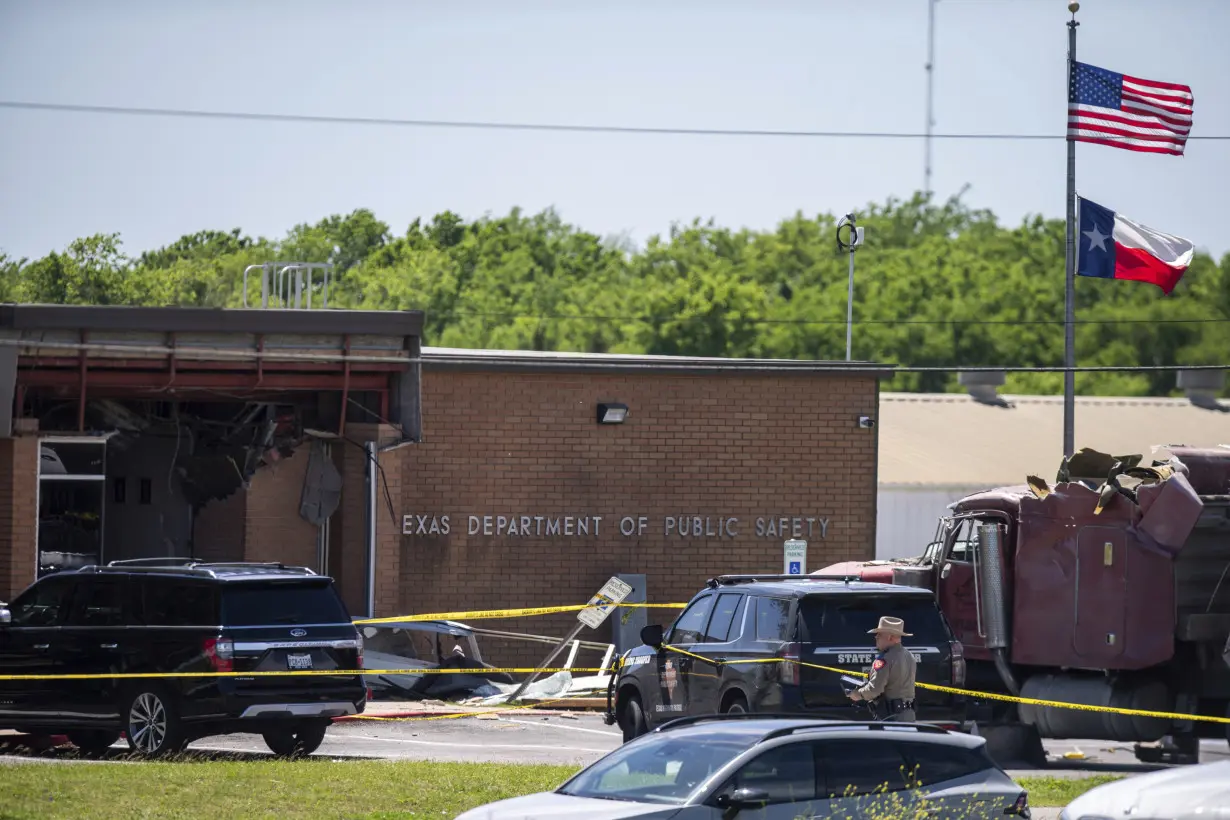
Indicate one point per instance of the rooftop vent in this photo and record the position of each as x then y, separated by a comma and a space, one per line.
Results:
1203, 387
981, 384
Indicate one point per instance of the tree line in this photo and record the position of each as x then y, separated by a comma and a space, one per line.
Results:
937, 284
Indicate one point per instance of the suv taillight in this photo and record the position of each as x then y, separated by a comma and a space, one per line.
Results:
958, 663
221, 653
358, 645
790, 663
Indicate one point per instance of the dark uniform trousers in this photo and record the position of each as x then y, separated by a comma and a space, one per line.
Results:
890, 686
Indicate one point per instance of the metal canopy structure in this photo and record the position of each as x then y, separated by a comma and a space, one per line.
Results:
200, 354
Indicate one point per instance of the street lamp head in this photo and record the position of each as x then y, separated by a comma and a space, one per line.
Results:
1074, 6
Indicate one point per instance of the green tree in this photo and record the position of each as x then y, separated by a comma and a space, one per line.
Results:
937, 284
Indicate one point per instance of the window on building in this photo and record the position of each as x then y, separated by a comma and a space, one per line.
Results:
72, 489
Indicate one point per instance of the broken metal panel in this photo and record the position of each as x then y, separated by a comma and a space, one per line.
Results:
8, 385
1073, 562
1173, 509
1208, 469
406, 409
189, 319
322, 486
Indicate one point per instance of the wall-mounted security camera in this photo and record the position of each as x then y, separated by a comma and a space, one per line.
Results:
866, 422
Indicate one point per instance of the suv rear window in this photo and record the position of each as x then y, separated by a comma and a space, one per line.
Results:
279, 602
843, 620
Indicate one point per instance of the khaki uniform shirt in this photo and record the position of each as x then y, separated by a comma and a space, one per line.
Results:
892, 675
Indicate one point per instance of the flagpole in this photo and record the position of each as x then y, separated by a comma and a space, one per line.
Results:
1069, 323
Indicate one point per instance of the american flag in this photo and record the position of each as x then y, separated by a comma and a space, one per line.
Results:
1114, 109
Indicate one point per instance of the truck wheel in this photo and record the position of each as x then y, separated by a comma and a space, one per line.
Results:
1014, 745
151, 723
299, 740
93, 743
632, 717
735, 704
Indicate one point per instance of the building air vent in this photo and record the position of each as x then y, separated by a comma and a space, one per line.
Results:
1203, 387
982, 384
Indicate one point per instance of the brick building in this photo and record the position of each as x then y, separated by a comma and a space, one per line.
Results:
502, 478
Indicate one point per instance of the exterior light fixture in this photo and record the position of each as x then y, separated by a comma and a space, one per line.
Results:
612, 413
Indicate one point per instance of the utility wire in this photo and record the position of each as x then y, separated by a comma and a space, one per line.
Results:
925, 322
518, 126
636, 363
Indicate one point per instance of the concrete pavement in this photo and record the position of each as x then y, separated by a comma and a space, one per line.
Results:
575, 739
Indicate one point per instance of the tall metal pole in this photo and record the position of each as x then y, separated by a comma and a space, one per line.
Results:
930, 76
850, 292
1069, 321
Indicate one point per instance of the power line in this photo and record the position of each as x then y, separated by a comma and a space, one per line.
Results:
634, 362
518, 126
923, 322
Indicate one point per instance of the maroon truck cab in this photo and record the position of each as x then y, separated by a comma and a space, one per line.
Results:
1109, 587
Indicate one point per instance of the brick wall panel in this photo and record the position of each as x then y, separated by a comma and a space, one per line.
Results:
742, 446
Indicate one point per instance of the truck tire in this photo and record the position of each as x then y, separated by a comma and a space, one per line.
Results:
298, 740
632, 717
1013, 744
93, 742
151, 722
735, 704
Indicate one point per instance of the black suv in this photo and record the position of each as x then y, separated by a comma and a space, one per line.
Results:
179, 616
782, 619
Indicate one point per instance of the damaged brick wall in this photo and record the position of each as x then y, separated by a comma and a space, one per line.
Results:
274, 529
18, 514
348, 536
728, 446
219, 528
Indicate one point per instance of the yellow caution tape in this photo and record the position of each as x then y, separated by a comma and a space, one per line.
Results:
479, 671
481, 614
453, 715
1084, 707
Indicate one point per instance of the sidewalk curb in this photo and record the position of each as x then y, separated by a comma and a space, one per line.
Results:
424, 713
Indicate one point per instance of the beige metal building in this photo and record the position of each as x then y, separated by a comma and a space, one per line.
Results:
937, 448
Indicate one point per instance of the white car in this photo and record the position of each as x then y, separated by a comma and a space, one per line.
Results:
1187, 793
718, 767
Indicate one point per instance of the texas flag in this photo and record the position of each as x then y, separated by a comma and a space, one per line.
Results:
1111, 246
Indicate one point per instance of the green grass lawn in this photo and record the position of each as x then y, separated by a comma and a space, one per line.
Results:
315, 788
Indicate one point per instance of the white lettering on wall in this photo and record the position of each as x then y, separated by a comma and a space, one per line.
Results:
777, 528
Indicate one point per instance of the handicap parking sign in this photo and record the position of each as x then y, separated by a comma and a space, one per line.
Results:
794, 556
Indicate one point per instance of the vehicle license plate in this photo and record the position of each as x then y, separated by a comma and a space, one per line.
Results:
303, 661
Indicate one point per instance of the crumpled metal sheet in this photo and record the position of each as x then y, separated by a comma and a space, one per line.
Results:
322, 486
1168, 505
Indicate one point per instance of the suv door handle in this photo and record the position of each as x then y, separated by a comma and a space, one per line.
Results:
108, 645
42, 646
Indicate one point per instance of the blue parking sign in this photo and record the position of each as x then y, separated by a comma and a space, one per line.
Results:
795, 568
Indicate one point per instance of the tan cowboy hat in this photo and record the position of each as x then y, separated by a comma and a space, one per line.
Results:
891, 626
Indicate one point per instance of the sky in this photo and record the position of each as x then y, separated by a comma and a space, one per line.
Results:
752, 64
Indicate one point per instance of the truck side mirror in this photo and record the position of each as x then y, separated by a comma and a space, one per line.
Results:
652, 636
732, 804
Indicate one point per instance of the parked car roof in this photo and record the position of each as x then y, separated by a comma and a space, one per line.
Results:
194, 568
765, 727
801, 585
1179, 793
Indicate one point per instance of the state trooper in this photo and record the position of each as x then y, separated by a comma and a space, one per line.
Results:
890, 686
